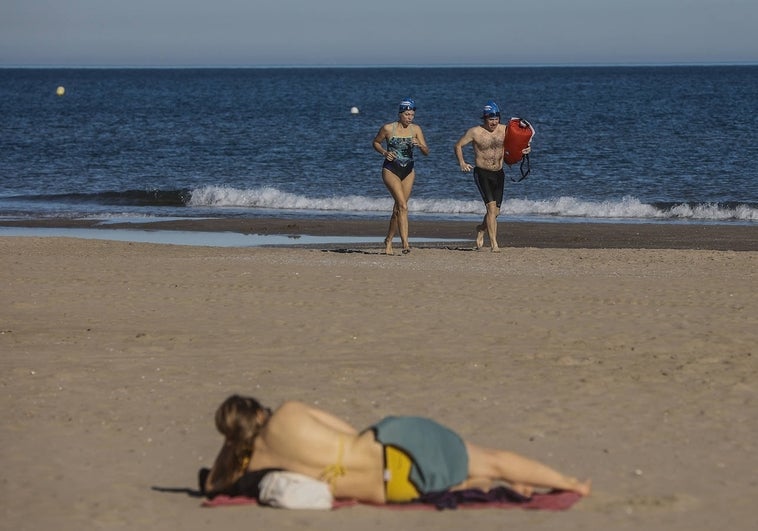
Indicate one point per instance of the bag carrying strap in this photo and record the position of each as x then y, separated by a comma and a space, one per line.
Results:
524, 174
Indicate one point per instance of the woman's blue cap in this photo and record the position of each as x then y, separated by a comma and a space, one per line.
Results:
490, 109
407, 105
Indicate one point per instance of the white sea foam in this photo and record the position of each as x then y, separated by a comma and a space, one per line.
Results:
271, 198
627, 208
714, 212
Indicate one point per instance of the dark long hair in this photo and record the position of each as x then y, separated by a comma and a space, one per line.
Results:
237, 421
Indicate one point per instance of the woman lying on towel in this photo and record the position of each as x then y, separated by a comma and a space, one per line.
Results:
396, 460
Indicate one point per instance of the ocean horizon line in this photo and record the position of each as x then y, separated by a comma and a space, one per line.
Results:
357, 66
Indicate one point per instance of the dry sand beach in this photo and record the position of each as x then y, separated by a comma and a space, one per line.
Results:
627, 356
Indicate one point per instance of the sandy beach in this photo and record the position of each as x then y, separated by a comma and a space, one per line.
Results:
626, 355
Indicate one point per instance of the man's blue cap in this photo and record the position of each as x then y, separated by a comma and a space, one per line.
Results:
407, 105
490, 109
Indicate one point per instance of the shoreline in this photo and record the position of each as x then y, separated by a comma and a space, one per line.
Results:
543, 235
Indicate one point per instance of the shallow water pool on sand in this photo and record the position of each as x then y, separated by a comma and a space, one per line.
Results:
209, 239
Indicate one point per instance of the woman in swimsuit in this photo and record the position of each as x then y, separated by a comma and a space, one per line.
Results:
378, 465
398, 174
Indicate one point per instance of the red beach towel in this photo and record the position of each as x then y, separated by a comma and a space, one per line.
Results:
497, 498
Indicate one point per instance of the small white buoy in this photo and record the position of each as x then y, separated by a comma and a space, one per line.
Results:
354, 110
60, 91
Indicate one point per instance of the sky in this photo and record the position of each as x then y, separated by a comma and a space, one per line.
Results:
383, 32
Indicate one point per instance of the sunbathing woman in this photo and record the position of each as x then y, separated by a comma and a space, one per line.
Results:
396, 460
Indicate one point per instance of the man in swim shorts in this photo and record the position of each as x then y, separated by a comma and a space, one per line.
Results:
487, 140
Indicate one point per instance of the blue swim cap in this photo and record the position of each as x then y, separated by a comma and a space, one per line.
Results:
490, 109
407, 105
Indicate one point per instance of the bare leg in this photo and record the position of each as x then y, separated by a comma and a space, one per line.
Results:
401, 192
521, 472
491, 221
391, 231
480, 233
388, 246
407, 185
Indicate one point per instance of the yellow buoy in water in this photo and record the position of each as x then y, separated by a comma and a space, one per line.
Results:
60, 91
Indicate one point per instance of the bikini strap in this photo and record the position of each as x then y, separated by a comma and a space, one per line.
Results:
331, 473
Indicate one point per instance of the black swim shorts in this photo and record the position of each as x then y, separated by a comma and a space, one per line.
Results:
491, 185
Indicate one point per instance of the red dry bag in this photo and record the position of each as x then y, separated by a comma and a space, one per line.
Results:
518, 134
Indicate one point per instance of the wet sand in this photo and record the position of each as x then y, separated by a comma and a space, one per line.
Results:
511, 234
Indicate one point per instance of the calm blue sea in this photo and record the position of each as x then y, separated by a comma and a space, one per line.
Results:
630, 144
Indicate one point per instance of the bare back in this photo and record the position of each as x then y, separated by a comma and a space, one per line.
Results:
304, 439
310, 441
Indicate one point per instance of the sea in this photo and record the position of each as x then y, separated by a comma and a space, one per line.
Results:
627, 144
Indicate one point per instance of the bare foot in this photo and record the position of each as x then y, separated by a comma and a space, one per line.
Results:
581, 487
388, 246
479, 236
495, 249
523, 489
